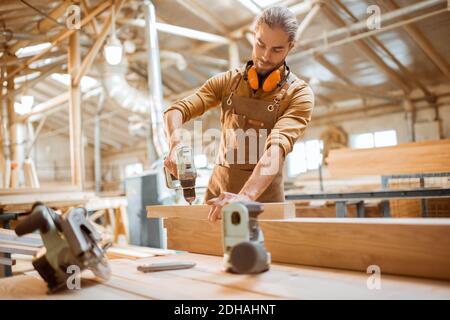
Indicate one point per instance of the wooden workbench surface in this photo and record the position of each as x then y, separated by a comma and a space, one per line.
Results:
207, 281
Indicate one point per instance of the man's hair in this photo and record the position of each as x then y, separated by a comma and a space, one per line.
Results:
278, 16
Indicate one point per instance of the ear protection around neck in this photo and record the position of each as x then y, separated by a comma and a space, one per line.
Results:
271, 81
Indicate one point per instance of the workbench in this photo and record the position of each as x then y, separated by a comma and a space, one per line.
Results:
207, 281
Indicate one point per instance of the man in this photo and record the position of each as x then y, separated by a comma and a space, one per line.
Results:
263, 99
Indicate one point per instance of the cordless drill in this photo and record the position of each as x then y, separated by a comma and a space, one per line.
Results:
186, 174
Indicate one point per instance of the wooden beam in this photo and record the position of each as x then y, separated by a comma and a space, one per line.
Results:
98, 44
93, 51
320, 58
32, 239
93, 23
356, 90
47, 106
6, 247
43, 25
206, 15
7, 262
408, 158
308, 19
411, 247
200, 211
76, 145
61, 36
397, 62
422, 41
364, 47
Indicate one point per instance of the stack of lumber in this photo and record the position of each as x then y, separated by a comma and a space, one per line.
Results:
417, 157
328, 210
23, 200
412, 208
11, 244
413, 247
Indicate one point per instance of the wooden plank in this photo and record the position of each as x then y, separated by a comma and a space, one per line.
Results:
34, 288
200, 211
413, 247
300, 282
7, 247
418, 157
7, 261
207, 280
24, 202
135, 252
194, 235
172, 284
33, 240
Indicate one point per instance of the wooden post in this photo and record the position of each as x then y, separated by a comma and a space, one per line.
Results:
76, 152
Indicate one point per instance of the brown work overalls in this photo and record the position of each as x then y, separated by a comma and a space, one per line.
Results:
245, 113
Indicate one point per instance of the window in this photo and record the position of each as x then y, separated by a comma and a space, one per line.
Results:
362, 141
304, 156
374, 140
385, 138
133, 169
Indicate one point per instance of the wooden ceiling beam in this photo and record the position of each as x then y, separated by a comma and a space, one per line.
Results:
62, 36
43, 25
422, 42
408, 74
367, 50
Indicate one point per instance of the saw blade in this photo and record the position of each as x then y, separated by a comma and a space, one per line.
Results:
96, 261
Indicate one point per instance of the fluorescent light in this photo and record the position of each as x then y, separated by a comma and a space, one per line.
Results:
32, 50
190, 33
250, 5
21, 109
63, 78
181, 31
113, 51
27, 101
86, 82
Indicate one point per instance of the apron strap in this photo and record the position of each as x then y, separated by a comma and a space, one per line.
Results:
280, 95
234, 85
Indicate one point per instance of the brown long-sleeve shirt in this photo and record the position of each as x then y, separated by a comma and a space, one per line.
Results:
293, 115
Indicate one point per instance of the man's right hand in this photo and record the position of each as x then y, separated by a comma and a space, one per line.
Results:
170, 162
173, 121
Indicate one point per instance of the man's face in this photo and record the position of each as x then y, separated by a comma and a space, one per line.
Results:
270, 49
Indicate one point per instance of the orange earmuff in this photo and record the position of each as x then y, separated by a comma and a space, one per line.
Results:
269, 84
272, 81
253, 78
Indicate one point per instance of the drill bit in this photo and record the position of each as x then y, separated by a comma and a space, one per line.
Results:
189, 195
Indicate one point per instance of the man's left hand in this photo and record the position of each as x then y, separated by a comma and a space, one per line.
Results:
223, 199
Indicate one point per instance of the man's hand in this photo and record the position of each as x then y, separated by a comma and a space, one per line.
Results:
170, 161
223, 199
173, 122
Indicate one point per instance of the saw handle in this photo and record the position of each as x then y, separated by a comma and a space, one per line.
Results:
36, 220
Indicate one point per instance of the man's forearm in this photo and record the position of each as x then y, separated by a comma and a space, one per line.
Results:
265, 171
173, 122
